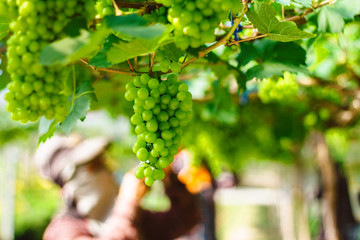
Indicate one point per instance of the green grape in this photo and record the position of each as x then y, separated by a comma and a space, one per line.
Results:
104, 8
158, 174
157, 15
148, 172
139, 173
159, 119
142, 154
33, 87
149, 181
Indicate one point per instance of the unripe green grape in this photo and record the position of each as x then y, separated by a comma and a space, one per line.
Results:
149, 103
159, 144
148, 172
163, 162
150, 137
142, 154
156, 110
149, 181
154, 153
153, 84
152, 125
139, 173
147, 115
155, 93
142, 93
140, 128
158, 174
175, 67
136, 119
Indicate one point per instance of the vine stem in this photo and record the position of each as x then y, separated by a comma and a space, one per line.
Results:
136, 5
309, 10
222, 41
152, 62
248, 39
131, 67
111, 70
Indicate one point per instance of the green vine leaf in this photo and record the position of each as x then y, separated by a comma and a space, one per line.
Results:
331, 17
80, 106
46, 129
100, 59
269, 69
263, 16
305, 3
4, 26
134, 26
123, 49
70, 49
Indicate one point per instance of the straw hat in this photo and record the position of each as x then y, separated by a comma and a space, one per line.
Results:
58, 157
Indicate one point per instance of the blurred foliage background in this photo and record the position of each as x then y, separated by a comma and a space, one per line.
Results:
255, 109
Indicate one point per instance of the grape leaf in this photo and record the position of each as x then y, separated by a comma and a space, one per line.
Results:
73, 28
100, 59
4, 75
80, 106
70, 49
247, 54
348, 9
123, 50
46, 129
285, 55
263, 16
4, 26
305, 3
331, 17
172, 52
330, 21
134, 26
284, 2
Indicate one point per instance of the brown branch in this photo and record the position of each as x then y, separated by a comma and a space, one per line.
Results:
152, 62
247, 39
131, 67
136, 5
309, 10
110, 70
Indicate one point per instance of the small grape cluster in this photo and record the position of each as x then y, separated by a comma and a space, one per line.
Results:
104, 8
157, 15
162, 109
36, 90
166, 62
281, 90
196, 20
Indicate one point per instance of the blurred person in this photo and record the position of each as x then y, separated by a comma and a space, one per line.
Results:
95, 209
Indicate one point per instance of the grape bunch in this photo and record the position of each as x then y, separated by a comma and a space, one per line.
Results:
104, 8
157, 15
166, 62
282, 90
36, 90
162, 109
195, 20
